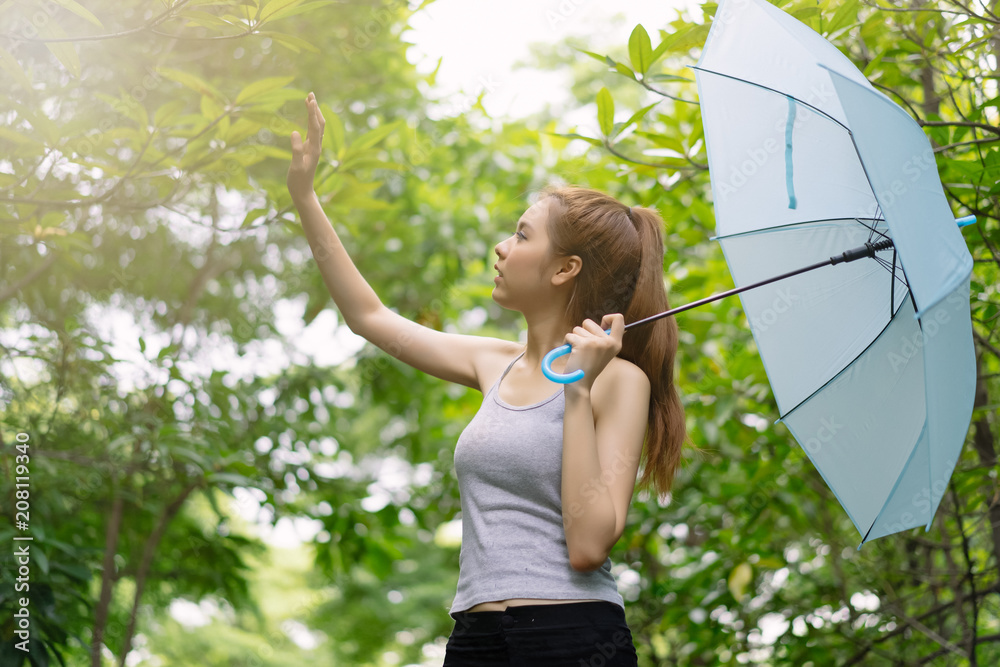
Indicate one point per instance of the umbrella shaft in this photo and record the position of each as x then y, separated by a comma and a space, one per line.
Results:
867, 250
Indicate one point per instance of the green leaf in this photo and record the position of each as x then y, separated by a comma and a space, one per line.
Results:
432, 77
191, 455
296, 44
229, 478
167, 112
605, 111
659, 51
300, 9
873, 65
636, 117
589, 140
274, 7
40, 558
335, 136
12, 67
684, 38
846, 15
65, 52
739, 580
640, 50
198, 19
253, 215
258, 88
772, 562
595, 56
17, 137
191, 81
210, 108
805, 13
666, 77
625, 71
372, 137
80, 11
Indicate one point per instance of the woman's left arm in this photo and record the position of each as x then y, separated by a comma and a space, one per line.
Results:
603, 434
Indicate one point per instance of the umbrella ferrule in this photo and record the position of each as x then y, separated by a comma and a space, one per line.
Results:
867, 250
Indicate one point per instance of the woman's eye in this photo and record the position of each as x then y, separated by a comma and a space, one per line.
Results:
520, 235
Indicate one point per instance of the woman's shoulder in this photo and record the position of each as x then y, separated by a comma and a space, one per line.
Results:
620, 379
497, 354
622, 370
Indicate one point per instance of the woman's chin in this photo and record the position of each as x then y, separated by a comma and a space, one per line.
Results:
499, 300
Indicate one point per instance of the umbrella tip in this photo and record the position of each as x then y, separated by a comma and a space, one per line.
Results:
966, 221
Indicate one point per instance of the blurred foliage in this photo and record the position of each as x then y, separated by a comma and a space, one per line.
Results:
154, 284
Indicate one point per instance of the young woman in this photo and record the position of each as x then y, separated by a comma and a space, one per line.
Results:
546, 471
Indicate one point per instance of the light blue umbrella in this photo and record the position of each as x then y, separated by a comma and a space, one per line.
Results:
871, 362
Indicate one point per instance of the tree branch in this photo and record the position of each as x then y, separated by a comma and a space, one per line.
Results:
971, 577
91, 200
165, 16
107, 578
147, 560
943, 123
656, 165
986, 344
974, 142
648, 87
11, 290
946, 645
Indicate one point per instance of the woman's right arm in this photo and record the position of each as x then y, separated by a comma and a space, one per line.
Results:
452, 357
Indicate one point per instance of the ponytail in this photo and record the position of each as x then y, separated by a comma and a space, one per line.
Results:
652, 347
622, 253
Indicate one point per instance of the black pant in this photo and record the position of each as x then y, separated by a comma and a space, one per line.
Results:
574, 634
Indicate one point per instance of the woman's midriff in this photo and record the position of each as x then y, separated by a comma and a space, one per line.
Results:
501, 605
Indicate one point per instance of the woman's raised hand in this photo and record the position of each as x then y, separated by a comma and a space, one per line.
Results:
593, 347
305, 155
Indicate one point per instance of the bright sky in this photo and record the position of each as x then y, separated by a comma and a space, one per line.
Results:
481, 40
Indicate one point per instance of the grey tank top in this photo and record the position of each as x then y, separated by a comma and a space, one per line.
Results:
509, 466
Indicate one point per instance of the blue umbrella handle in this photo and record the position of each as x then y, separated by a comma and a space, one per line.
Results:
561, 378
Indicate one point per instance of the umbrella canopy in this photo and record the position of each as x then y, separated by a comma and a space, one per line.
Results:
872, 362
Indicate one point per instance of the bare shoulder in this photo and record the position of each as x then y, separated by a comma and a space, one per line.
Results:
621, 380
496, 355
623, 372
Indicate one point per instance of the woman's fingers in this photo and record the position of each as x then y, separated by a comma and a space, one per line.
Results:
590, 330
316, 122
615, 322
306, 152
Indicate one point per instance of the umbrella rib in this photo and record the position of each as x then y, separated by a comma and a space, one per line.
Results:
871, 229
841, 371
793, 224
892, 281
895, 485
891, 268
775, 91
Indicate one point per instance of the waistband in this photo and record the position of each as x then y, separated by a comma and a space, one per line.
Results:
541, 615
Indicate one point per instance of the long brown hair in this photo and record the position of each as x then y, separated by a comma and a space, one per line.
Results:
622, 253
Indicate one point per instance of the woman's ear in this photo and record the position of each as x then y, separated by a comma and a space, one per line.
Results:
569, 268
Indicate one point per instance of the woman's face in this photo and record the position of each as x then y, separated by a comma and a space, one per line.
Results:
523, 259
